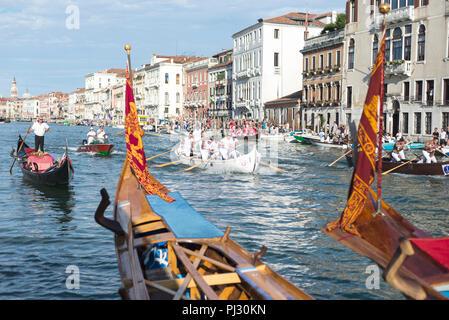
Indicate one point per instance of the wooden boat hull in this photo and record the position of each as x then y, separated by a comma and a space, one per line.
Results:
248, 163
422, 169
318, 142
213, 268
380, 237
98, 149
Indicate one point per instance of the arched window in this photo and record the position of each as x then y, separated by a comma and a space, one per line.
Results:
422, 43
397, 44
351, 54
375, 48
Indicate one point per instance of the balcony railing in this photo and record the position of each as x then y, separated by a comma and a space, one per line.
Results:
397, 15
399, 68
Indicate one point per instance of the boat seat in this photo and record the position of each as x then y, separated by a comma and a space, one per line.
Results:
43, 163
184, 221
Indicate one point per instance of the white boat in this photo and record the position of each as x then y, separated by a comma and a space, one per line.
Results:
318, 142
275, 137
248, 163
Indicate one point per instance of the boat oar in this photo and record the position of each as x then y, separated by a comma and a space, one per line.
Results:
20, 148
198, 164
340, 158
158, 155
272, 167
397, 167
442, 153
169, 163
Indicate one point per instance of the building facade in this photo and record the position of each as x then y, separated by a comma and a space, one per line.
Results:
322, 84
268, 62
196, 101
220, 87
417, 63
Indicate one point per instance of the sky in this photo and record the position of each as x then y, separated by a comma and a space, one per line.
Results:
50, 45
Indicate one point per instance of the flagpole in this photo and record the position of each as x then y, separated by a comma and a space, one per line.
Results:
384, 8
128, 49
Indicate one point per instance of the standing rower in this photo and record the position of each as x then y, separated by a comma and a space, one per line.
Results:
39, 128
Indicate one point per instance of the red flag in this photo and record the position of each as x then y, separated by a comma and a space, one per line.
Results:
367, 137
134, 146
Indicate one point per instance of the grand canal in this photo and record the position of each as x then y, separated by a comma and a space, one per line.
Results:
45, 230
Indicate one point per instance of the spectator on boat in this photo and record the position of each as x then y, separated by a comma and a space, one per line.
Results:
101, 135
39, 128
91, 136
436, 134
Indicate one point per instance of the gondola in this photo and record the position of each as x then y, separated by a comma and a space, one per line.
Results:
99, 149
167, 250
413, 261
44, 170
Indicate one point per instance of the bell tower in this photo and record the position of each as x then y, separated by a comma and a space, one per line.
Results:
14, 93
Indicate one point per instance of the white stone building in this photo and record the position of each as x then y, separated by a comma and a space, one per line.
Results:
268, 62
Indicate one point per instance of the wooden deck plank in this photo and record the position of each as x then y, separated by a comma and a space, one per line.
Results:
199, 279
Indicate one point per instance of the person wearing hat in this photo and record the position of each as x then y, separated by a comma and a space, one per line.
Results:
91, 135
39, 128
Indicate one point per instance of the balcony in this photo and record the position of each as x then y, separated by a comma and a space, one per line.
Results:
397, 16
398, 68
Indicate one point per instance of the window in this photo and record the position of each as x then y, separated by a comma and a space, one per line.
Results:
313, 63
397, 44
276, 59
178, 97
167, 101
276, 33
422, 43
353, 16
306, 66
349, 98
321, 61
329, 60
375, 48
408, 48
406, 91
338, 58
428, 122
177, 78
445, 120
417, 122
405, 122
351, 54
446, 92
419, 91
430, 93
166, 78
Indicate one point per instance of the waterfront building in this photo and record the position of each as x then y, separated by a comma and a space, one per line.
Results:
322, 85
30, 109
98, 92
4, 108
14, 92
220, 87
117, 114
76, 107
417, 63
164, 87
196, 102
268, 62
285, 111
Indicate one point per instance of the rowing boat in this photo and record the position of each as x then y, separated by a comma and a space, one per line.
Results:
42, 169
318, 142
167, 250
415, 168
99, 149
247, 163
413, 261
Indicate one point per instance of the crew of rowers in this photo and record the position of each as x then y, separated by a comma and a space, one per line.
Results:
224, 149
428, 153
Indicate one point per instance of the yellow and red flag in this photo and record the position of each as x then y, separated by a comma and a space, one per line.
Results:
367, 137
134, 146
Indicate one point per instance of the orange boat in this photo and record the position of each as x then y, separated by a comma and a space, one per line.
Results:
413, 261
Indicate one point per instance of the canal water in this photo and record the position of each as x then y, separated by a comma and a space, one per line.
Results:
44, 232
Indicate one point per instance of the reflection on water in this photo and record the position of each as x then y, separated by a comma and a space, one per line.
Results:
58, 198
